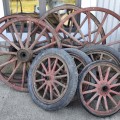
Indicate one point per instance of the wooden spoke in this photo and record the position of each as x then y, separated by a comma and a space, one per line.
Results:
91, 99
113, 78
59, 83
60, 68
89, 83
107, 74
100, 73
41, 73
89, 91
60, 76
45, 91
14, 71
44, 68
17, 34
105, 103
43, 85
95, 78
23, 74
89, 26
10, 42
98, 102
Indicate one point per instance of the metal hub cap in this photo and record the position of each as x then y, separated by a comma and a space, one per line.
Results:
24, 55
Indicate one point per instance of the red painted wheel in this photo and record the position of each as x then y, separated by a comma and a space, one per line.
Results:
18, 48
104, 99
86, 32
57, 15
52, 79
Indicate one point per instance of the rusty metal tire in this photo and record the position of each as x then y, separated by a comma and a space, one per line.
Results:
100, 52
104, 100
19, 51
55, 99
92, 36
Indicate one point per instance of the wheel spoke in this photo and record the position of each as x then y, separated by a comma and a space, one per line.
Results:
107, 74
94, 77
115, 85
114, 92
100, 73
91, 55
73, 38
45, 46
98, 102
89, 26
51, 93
45, 91
79, 65
45, 69
17, 34
8, 62
40, 35
57, 91
100, 28
78, 28
11, 43
89, 91
105, 103
7, 53
111, 98
21, 29
14, 71
23, 74
41, 73
49, 64
108, 34
43, 85
89, 83
113, 78
60, 76
28, 35
91, 99
55, 64
101, 56
59, 83
60, 68
40, 80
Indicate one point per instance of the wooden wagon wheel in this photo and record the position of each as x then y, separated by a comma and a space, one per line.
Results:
86, 32
57, 15
17, 49
52, 79
104, 100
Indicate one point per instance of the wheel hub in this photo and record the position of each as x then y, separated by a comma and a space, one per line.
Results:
103, 89
24, 55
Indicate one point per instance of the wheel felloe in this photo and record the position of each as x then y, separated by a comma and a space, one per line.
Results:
104, 99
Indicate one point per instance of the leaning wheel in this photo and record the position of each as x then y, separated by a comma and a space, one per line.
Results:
52, 79
57, 15
80, 58
17, 49
86, 32
100, 52
104, 100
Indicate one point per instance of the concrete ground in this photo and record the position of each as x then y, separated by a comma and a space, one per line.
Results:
19, 106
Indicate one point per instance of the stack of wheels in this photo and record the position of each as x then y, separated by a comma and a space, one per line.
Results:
33, 48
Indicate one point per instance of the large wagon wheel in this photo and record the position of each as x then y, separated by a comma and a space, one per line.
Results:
52, 79
104, 100
56, 16
83, 31
17, 49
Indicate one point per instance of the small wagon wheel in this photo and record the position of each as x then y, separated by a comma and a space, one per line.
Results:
104, 100
17, 49
52, 79
101, 52
86, 32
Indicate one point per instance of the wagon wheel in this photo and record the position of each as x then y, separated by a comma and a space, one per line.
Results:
100, 52
57, 14
51, 81
103, 88
87, 32
17, 49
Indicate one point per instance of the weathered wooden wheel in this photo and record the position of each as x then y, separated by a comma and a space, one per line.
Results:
52, 79
18, 48
101, 52
57, 15
104, 100
86, 32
